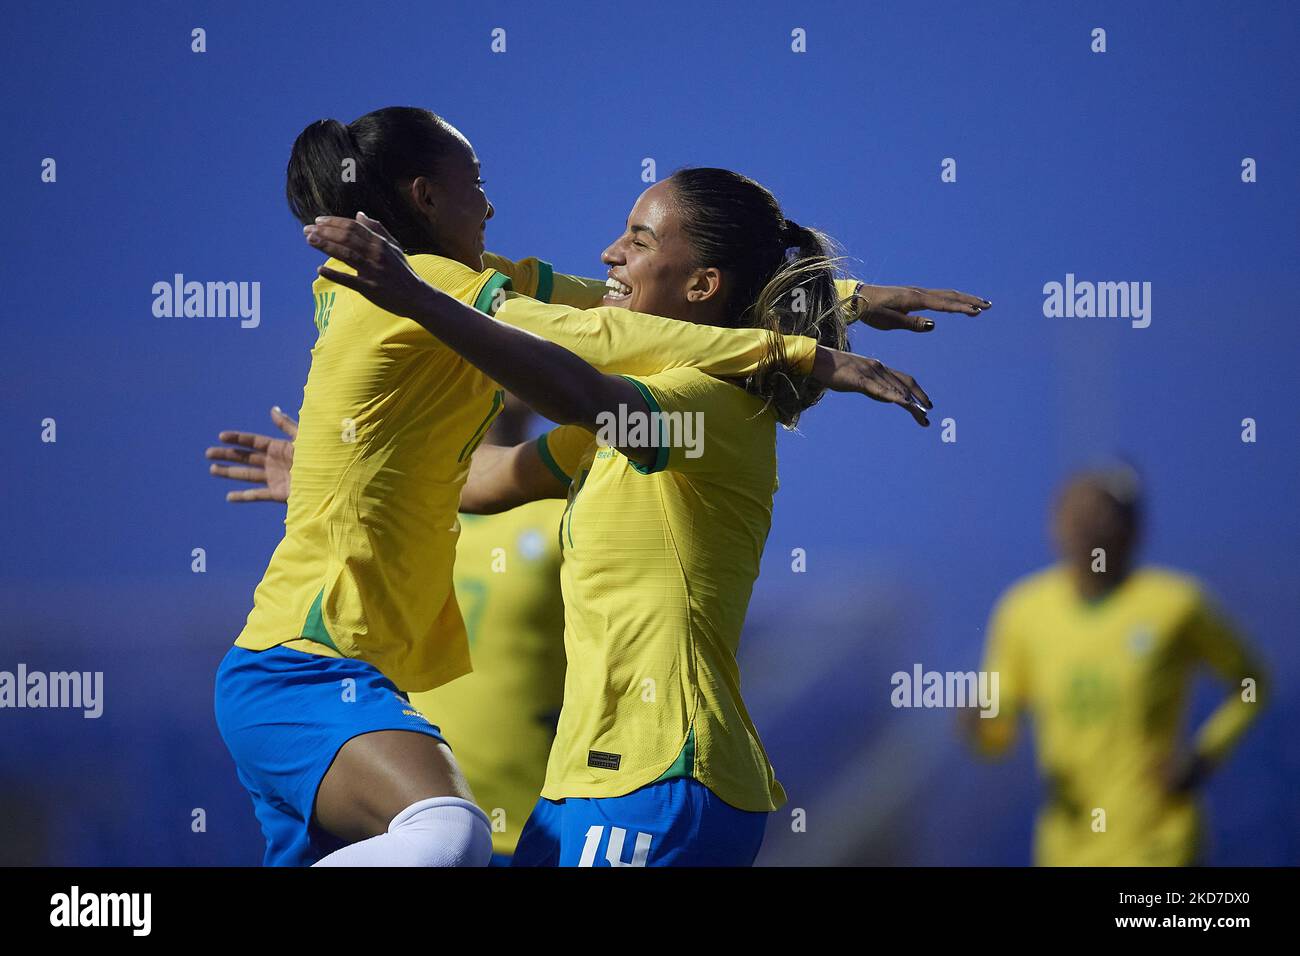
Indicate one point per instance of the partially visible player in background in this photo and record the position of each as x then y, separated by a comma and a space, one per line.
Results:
1101, 653
502, 715
507, 581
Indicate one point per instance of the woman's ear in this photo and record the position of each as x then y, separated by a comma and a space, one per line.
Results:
421, 196
704, 285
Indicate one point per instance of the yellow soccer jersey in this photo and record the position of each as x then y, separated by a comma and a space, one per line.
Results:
500, 719
659, 565
389, 421
538, 279
1105, 684
632, 343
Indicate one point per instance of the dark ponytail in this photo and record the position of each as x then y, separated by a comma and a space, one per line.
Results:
781, 275
367, 166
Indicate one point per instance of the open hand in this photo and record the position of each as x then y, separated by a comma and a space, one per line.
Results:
888, 307
847, 372
383, 274
263, 460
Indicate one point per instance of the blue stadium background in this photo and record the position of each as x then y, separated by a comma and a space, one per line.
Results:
1118, 166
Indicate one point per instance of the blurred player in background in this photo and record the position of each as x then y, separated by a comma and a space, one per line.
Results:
507, 580
1101, 654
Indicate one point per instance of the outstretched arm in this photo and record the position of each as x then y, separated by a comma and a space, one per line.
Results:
504, 477
888, 307
500, 477
882, 307
536, 279
552, 380
262, 460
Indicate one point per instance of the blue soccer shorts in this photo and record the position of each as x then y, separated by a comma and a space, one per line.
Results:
284, 716
676, 822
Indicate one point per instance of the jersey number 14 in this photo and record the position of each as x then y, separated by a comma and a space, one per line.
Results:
614, 850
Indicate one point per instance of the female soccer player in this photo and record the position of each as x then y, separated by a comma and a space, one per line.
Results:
1102, 656
356, 605
507, 583
662, 540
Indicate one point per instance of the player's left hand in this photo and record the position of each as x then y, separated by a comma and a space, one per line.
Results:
1184, 773
847, 372
383, 274
887, 307
263, 460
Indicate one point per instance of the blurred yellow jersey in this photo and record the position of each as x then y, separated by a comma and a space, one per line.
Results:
500, 720
1106, 683
659, 565
389, 421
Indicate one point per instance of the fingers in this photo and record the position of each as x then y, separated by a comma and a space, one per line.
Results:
906, 386
914, 406
915, 389
969, 299
245, 439
917, 415
884, 387
358, 257
900, 389
888, 319
345, 279
362, 233
238, 473
908, 402
346, 240
251, 494
950, 300
375, 226
283, 422
351, 230
241, 455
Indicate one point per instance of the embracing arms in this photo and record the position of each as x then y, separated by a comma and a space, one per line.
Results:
551, 379
882, 307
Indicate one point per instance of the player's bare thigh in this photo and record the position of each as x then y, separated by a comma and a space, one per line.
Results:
376, 776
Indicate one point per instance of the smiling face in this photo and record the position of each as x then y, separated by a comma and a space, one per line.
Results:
453, 204
652, 267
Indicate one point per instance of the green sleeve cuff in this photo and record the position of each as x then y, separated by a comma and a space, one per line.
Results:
661, 456
545, 281
544, 450
484, 301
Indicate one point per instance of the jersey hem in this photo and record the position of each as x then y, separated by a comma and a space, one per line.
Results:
607, 793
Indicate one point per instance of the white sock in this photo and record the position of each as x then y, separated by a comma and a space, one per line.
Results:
440, 831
